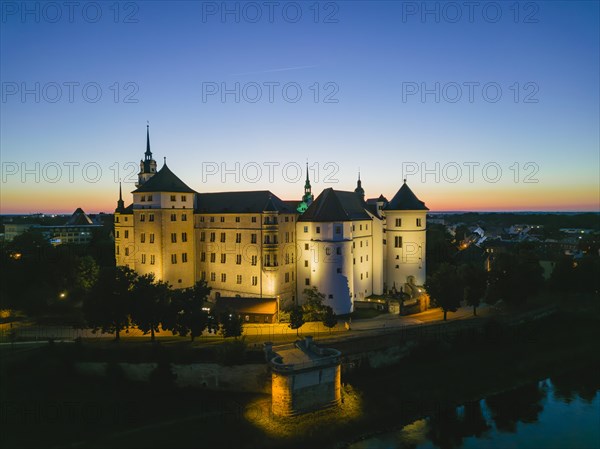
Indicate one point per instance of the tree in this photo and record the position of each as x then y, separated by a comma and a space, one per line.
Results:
445, 289
313, 307
296, 319
186, 315
232, 324
150, 304
514, 278
108, 305
474, 281
329, 318
439, 248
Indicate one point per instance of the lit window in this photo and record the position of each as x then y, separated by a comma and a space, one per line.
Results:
184, 257
173, 258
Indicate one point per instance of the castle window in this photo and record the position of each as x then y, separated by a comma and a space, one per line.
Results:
143, 237
338, 229
173, 217
152, 259
222, 237
361, 227
126, 234
307, 281
367, 227
212, 219
253, 238
287, 219
149, 197
173, 237
339, 270
306, 246
397, 266
361, 276
354, 261
151, 238
253, 219
213, 276
367, 243
338, 251
238, 259
238, 279
117, 250
367, 257
361, 259
222, 219
384, 241
213, 257
173, 258
212, 236
287, 277
184, 236
318, 229
353, 228
361, 243
223, 277
126, 219
238, 237
151, 217
142, 217
116, 219
267, 239
305, 228
173, 198
287, 237
237, 219
398, 222
117, 234
328, 251
306, 263
143, 258
202, 236
267, 260
287, 258
143, 198
203, 276
367, 275
184, 257
418, 222
201, 219
183, 217
202, 257
254, 280
398, 241
223, 258
183, 198
254, 260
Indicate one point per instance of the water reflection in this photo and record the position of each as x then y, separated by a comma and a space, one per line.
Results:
562, 411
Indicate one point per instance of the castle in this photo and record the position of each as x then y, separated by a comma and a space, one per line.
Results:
254, 245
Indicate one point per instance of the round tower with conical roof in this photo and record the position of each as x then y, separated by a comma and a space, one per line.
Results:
406, 227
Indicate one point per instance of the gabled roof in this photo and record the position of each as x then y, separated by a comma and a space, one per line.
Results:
256, 201
405, 199
164, 181
336, 205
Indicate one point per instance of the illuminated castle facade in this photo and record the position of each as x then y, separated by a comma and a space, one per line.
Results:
254, 245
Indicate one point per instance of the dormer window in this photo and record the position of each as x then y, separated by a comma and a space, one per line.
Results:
143, 198
173, 198
149, 197
183, 198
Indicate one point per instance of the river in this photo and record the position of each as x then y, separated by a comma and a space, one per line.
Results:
558, 412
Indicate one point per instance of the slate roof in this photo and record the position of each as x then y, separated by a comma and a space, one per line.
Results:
336, 205
255, 201
164, 181
405, 199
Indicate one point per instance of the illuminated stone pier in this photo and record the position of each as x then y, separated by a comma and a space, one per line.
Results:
304, 378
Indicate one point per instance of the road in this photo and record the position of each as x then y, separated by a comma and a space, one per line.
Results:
255, 333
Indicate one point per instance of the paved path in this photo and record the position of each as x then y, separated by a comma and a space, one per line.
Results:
255, 333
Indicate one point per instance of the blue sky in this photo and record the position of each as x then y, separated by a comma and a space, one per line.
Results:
369, 56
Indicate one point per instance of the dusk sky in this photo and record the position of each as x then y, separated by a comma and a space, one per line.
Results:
500, 103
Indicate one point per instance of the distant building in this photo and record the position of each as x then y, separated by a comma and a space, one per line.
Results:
254, 245
77, 230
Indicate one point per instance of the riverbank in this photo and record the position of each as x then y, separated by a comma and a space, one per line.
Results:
437, 374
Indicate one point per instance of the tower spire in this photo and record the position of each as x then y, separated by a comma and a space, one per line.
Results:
359, 190
148, 153
120, 203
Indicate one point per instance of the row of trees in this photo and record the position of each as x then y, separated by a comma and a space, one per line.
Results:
313, 309
121, 299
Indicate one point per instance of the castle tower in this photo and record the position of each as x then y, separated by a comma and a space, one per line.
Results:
147, 165
359, 190
308, 197
406, 226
